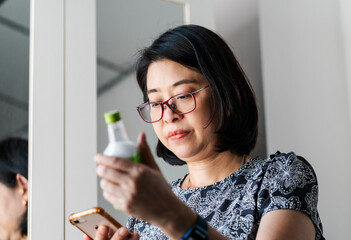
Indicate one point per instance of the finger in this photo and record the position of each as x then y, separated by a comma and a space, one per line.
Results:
117, 163
86, 237
101, 233
121, 234
110, 174
124, 202
146, 154
135, 236
116, 188
118, 200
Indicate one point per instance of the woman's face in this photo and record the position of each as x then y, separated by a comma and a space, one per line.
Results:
190, 136
11, 210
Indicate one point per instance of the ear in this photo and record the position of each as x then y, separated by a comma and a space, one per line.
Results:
22, 184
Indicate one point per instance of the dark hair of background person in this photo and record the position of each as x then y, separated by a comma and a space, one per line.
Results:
14, 160
204, 51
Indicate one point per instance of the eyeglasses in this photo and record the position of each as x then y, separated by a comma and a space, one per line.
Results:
182, 103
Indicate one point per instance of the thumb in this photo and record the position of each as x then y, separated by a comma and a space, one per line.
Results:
146, 155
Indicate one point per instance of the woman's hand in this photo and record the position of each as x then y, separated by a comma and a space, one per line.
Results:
141, 190
121, 234
138, 189
146, 154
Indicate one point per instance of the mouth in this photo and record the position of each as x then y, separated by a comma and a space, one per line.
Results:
178, 134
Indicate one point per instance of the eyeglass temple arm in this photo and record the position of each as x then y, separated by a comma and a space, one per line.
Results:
201, 89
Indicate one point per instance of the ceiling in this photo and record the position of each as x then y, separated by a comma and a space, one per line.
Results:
14, 67
123, 28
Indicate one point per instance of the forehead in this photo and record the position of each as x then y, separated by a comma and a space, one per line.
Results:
166, 73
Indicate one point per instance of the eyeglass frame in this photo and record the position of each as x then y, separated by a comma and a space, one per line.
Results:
165, 103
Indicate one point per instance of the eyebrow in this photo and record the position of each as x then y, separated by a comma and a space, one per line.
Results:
184, 81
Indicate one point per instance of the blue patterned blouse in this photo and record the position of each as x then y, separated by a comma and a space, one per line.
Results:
235, 205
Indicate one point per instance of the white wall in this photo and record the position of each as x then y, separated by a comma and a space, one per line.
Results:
345, 17
307, 98
237, 22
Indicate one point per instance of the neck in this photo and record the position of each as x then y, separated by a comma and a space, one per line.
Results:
209, 171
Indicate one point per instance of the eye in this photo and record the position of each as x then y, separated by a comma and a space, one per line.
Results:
154, 104
183, 96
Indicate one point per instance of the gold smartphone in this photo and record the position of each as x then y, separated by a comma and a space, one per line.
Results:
89, 220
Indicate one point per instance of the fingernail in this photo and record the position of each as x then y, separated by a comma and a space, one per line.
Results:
102, 230
100, 170
96, 157
103, 183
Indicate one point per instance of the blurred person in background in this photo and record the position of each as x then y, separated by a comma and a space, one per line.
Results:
13, 188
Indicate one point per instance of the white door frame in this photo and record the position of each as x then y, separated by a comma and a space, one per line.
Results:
62, 132
46, 120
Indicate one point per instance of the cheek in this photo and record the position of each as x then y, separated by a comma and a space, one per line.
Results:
158, 130
206, 122
204, 116
5, 209
5, 198
10, 208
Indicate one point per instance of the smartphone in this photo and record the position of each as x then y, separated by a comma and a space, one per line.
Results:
89, 220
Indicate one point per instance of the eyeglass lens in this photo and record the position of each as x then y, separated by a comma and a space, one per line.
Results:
180, 104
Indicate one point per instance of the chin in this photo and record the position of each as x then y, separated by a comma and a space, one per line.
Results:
183, 154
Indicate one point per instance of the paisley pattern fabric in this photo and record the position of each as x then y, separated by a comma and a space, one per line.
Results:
235, 205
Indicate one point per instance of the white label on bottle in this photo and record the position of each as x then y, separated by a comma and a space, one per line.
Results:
121, 149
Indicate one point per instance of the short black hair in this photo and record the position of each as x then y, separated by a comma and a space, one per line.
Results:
13, 161
204, 51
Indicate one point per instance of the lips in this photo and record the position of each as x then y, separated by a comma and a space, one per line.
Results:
178, 134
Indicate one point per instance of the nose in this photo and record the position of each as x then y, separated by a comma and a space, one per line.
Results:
170, 116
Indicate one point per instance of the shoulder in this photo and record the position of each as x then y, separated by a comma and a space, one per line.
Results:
280, 173
287, 158
289, 182
288, 171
